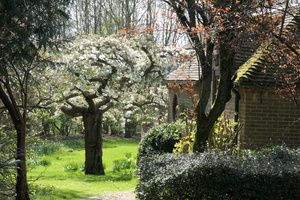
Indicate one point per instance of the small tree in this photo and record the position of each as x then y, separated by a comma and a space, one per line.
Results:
25, 28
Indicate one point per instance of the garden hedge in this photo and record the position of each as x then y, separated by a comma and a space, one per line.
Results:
267, 174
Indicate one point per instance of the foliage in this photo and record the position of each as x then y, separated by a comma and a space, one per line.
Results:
42, 147
108, 68
266, 174
73, 167
44, 162
50, 122
124, 163
160, 139
37, 150
7, 163
224, 134
185, 144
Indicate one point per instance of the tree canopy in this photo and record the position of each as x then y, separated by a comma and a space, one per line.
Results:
98, 72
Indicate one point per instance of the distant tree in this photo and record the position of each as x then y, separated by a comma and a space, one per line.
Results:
26, 26
217, 28
106, 17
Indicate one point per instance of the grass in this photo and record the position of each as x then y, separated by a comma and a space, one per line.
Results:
58, 174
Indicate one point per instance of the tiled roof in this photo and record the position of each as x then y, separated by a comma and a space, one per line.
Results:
254, 70
186, 72
244, 52
248, 63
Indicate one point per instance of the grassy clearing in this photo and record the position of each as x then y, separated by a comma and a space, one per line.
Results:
56, 172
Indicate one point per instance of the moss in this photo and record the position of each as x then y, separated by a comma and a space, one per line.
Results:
255, 59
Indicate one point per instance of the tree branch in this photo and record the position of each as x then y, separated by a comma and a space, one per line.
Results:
108, 106
75, 111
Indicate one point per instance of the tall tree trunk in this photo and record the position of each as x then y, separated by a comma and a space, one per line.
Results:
93, 143
21, 186
20, 126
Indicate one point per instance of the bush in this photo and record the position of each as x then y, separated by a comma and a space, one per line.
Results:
268, 174
186, 142
44, 162
123, 163
73, 167
160, 139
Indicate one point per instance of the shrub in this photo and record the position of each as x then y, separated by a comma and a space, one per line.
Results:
224, 134
222, 137
160, 139
186, 142
268, 174
73, 167
123, 163
44, 162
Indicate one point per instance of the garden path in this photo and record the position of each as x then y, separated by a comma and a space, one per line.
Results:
126, 195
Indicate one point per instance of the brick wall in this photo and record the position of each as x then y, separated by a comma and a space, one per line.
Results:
267, 118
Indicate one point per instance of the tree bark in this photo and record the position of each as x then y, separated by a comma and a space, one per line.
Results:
20, 125
130, 127
21, 186
205, 122
93, 143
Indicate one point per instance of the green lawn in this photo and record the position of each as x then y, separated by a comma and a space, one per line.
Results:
59, 176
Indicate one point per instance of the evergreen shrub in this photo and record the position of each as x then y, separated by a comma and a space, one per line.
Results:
160, 139
267, 174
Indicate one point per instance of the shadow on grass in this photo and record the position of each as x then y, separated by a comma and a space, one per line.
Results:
73, 143
107, 143
113, 143
113, 177
46, 192
80, 176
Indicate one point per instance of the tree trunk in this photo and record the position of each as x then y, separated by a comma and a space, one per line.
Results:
93, 143
205, 122
21, 185
130, 127
20, 126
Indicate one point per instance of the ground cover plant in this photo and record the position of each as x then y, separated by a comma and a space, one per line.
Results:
266, 174
56, 169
